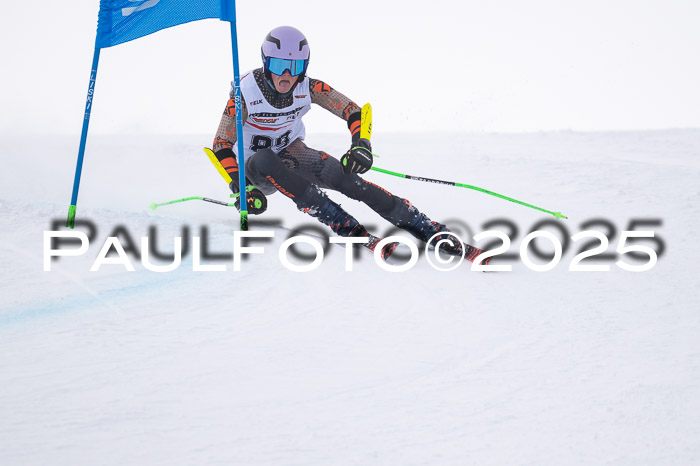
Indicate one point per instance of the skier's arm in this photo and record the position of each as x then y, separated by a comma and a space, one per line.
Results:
226, 137
359, 158
338, 104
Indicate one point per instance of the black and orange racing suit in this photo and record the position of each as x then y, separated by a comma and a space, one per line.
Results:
302, 166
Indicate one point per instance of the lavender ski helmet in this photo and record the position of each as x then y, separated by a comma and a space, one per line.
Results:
285, 48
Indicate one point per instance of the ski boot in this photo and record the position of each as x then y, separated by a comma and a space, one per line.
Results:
420, 226
331, 214
344, 224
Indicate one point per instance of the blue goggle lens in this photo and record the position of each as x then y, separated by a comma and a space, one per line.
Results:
279, 65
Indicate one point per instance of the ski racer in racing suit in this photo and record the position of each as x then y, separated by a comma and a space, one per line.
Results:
274, 100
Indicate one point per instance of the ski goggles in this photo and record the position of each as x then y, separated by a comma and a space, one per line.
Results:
279, 65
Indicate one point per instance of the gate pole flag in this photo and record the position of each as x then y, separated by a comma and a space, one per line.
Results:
120, 21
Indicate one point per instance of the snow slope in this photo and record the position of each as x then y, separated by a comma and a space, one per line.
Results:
268, 366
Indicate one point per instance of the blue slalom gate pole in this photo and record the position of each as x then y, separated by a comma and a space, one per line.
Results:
239, 125
70, 223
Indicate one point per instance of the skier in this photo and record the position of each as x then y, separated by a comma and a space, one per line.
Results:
274, 100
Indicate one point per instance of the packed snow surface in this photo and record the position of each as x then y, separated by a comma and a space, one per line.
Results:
268, 366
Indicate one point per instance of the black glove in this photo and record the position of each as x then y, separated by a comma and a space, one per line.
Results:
358, 159
255, 199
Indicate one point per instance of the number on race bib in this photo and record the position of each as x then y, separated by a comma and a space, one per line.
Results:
263, 142
260, 142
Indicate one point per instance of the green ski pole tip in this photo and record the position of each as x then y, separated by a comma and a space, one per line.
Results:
70, 222
153, 206
560, 215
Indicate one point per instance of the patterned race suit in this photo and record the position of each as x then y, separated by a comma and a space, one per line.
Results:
278, 160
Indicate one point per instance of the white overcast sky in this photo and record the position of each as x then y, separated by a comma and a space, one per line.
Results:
512, 65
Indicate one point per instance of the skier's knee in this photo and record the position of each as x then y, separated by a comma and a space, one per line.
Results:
353, 187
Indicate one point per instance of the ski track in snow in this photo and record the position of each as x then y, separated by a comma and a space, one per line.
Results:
268, 366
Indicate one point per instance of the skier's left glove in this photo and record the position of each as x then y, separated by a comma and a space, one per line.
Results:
255, 199
358, 159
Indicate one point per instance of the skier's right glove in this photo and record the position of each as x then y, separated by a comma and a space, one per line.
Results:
255, 199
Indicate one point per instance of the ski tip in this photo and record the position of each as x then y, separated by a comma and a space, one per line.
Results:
388, 250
